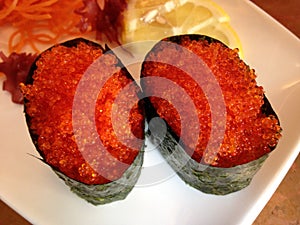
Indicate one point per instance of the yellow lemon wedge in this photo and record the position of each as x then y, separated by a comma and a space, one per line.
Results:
152, 20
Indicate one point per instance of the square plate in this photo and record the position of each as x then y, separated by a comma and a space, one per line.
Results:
34, 191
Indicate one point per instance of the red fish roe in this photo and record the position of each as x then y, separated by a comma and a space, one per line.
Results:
49, 104
249, 133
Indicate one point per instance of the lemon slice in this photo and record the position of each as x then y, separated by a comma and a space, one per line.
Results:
157, 19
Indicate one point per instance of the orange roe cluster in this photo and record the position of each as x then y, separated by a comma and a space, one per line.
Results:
249, 133
50, 113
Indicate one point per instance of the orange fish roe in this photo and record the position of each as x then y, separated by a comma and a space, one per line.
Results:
49, 107
249, 133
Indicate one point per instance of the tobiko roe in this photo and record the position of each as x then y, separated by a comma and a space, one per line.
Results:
251, 127
99, 175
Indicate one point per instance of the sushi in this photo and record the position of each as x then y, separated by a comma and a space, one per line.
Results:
74, 104
86, 115
220, 126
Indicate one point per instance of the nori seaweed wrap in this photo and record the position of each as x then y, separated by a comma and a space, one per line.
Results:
77, 98
220, 127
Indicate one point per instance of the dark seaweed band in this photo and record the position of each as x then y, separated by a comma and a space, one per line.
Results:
110, 192
208, 179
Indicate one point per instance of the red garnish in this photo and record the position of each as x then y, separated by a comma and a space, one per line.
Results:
15, 67
103, 16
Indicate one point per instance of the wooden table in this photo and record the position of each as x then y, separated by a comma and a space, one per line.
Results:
284, 206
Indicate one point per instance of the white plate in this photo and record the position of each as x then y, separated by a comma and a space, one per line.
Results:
35, 192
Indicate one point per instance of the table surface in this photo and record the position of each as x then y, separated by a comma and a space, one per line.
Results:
284, 206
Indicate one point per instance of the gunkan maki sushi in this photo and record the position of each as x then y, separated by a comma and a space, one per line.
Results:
74, 103
220, 127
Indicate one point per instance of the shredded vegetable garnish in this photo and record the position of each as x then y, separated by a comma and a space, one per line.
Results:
39, 21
